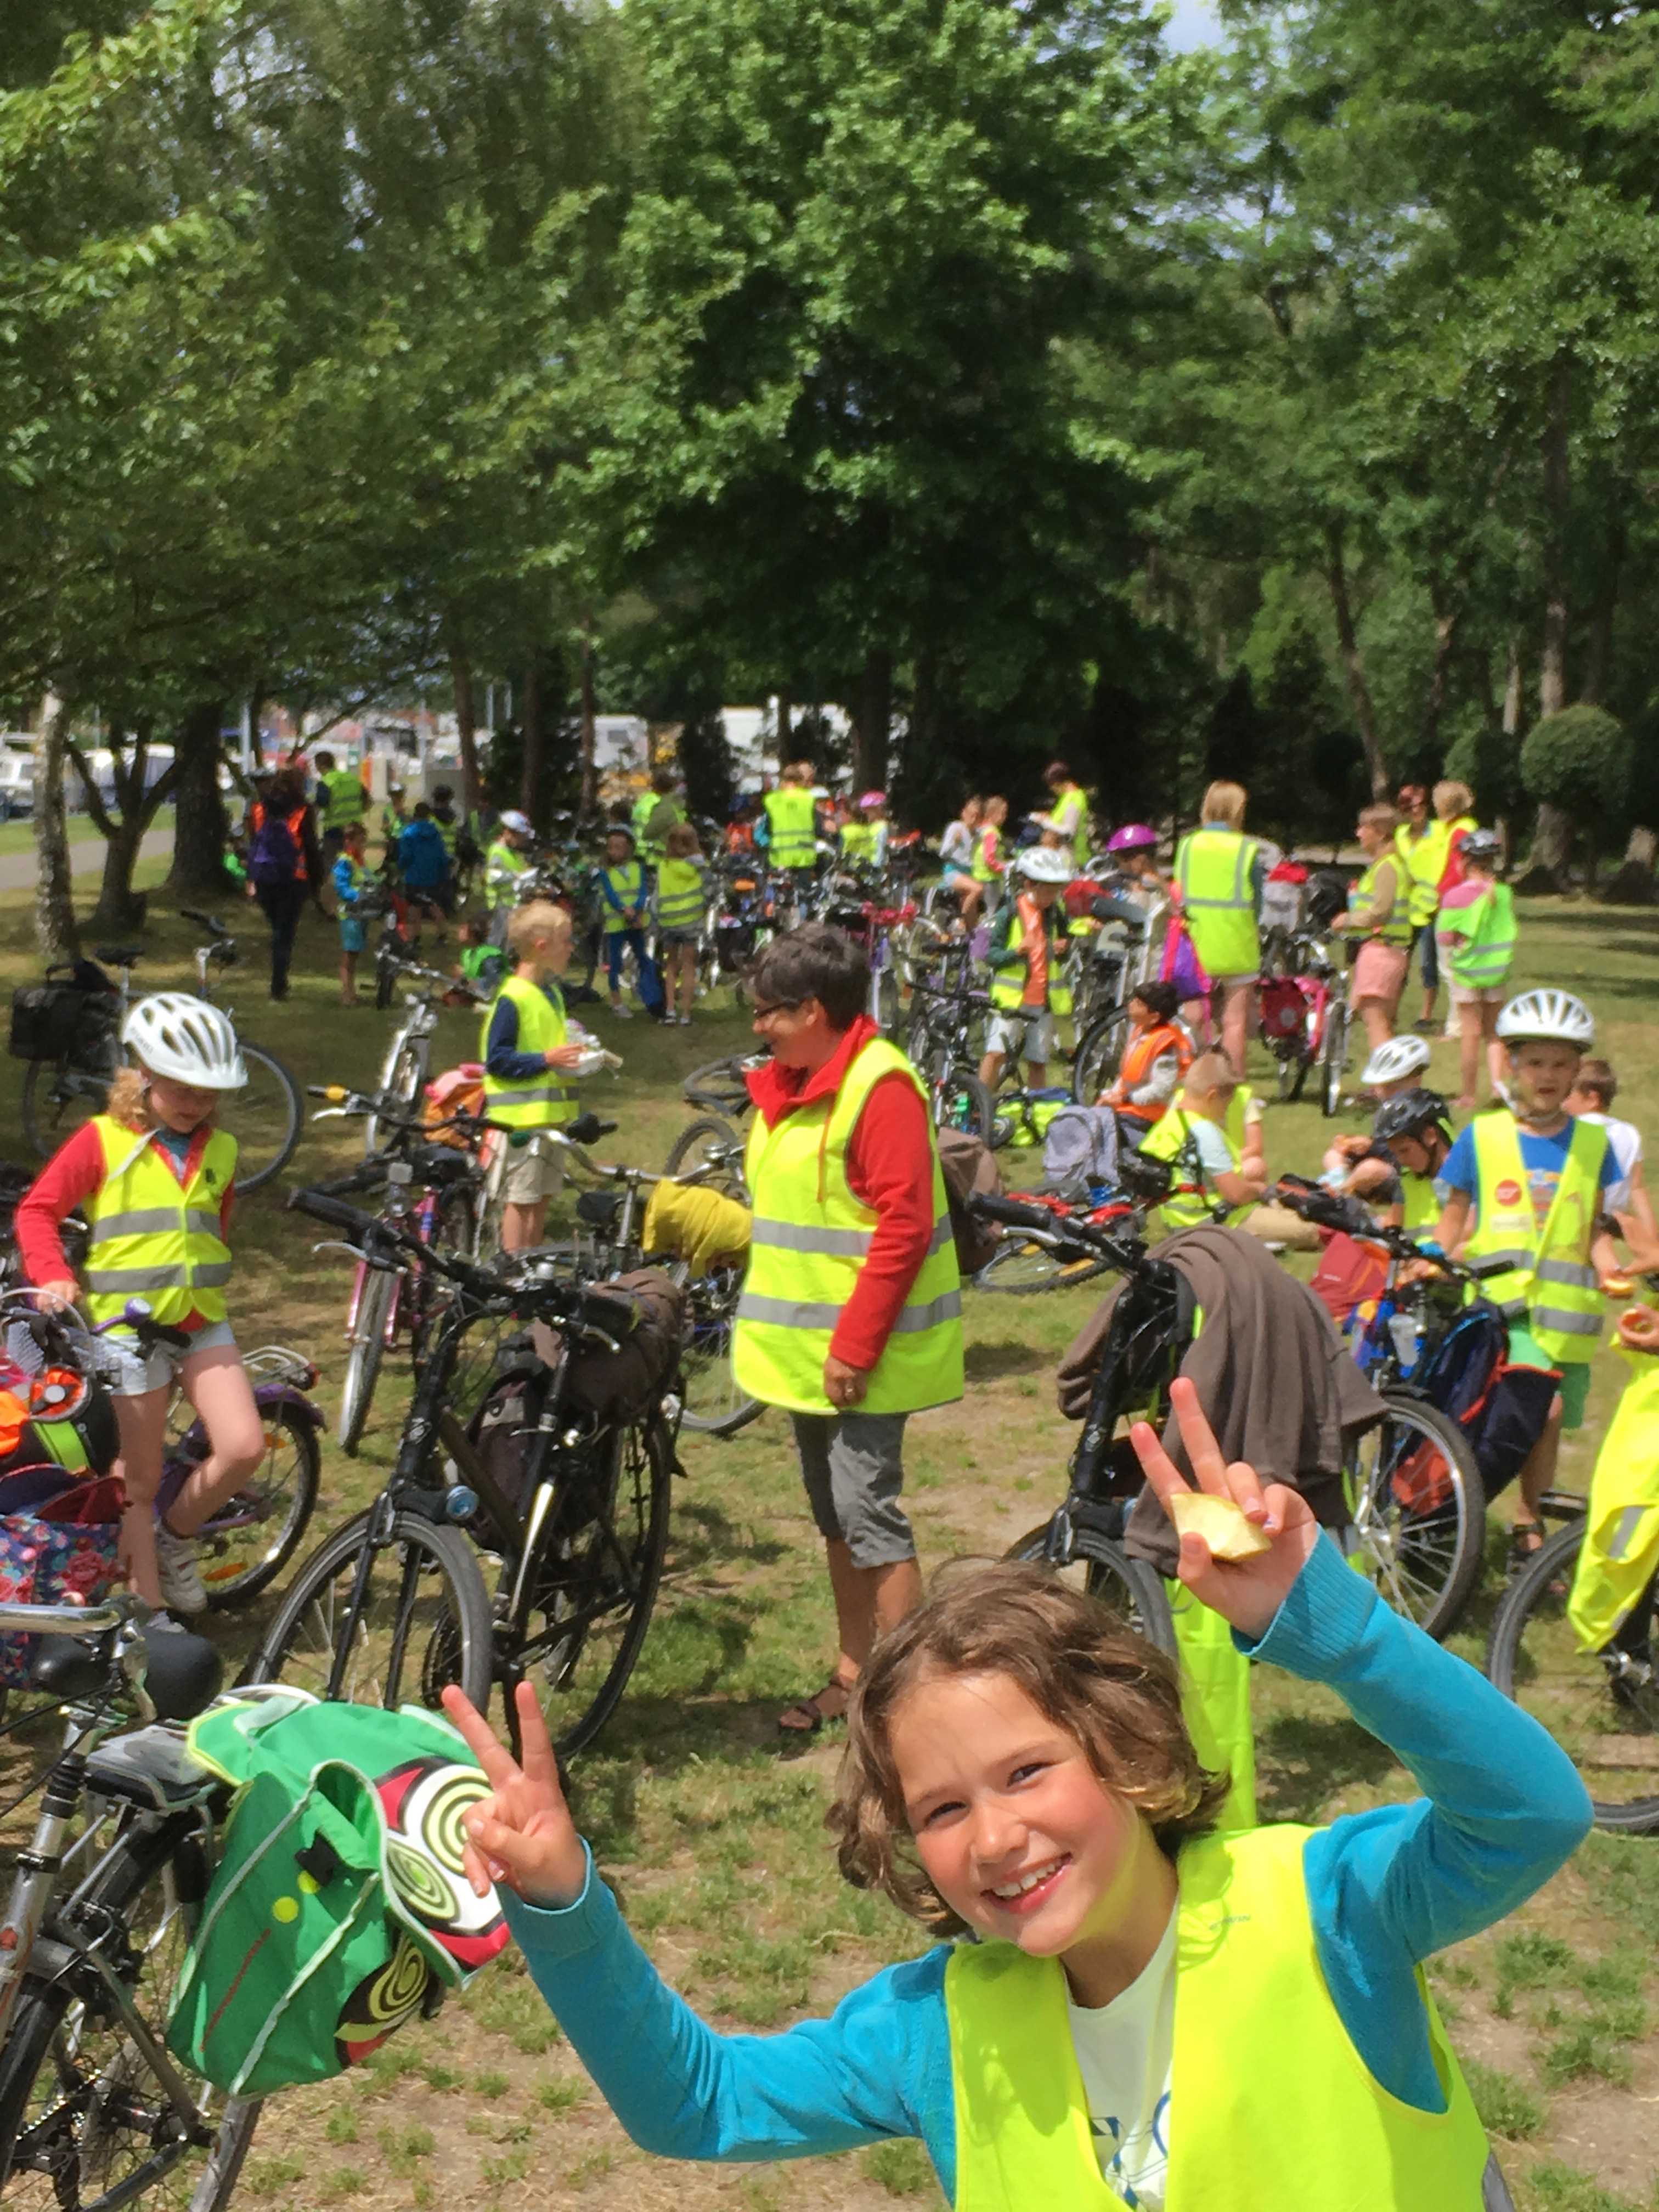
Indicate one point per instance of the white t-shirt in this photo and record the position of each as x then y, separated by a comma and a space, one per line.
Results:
1125, 2050
1624, 1143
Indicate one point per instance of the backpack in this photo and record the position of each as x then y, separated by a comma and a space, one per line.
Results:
339, 1911
1079, 1150
1284, 1011
968, 1166
274, 855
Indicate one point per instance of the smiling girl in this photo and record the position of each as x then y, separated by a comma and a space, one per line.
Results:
1147, 2013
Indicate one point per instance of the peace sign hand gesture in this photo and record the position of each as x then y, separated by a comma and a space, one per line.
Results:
1246, 1592
522, 1833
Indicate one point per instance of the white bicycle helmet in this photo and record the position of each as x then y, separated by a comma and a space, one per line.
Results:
175, 1035
519, 824
1042, 864
1547, 1017
1393, 1062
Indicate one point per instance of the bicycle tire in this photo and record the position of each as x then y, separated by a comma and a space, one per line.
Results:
227, 1587
1568, 1692
491, 1207
1133, 1591
1019, 1270
1099, 1055
1426, 1564
51, 2031
1333, 1060
362, 1367
452, 1642
401, 1080
691, 1148
385, 974
48, 1120
249, 1114
712, 1404
571, 1571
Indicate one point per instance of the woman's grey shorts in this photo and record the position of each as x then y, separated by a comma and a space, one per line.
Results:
854, 1468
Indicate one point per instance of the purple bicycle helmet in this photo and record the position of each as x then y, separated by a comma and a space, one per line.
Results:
1133, 837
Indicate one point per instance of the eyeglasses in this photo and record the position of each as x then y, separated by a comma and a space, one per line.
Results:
778, 1007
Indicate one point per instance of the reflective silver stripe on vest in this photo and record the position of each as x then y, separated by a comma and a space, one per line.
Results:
146, 1220
1566, 1324
1629, 1521
835, 1243
543, 1094
1569, 1271
784, 1312
1238, 898
212, 1276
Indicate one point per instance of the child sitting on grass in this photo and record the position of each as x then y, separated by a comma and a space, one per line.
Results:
1152, 2013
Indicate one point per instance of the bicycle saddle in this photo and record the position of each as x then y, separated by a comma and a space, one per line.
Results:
119, 955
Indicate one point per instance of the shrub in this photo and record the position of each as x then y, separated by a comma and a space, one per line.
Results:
1579, 760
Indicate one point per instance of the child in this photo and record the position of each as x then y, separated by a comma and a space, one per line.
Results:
1200, 1125
1155, 1062
157, 1181
681, 900
1475, 927
624, 895
506, 861
1530, 1177
987, 867
1026, 948
1151, 2013
352, 884
1357, 1165
1379, 913
1591, 1100
1413, 1132
526, 1035
424, 861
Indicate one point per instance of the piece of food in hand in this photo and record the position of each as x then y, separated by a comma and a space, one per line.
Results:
1617, 1286
1220, 1521
1638, 1329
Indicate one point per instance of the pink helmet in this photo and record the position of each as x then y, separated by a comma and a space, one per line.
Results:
1133, 837
872, 799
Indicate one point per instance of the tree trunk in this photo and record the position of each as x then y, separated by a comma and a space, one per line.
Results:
875, 722
1353, 667
1512, 687
201, 833
1632, 884
54, 906
1557, 492
1599, 652
530, 789
1552, 849
460, 676
1434, 703
588, 805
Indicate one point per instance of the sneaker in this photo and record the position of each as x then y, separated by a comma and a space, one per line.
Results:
685, 1021
622, 1013
182, 1587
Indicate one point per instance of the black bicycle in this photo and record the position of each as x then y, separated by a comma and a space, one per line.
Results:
946, 1019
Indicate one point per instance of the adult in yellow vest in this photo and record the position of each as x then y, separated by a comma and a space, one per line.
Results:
851, 1313
1219, 876
528, 1057
792, 817
1018, 1771
155, 1180
341, 800
1067, 818
1378, 920
1209, 1162
1423, 841
1611, 1605
1526, 1180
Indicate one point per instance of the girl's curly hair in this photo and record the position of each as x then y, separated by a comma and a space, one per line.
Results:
129, 1100
1080, 1666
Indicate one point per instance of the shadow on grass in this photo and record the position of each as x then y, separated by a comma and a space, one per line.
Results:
1303, 1759
985, 1361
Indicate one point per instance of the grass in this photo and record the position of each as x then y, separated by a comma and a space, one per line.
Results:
716, 1843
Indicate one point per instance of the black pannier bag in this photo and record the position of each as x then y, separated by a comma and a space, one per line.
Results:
68, 1017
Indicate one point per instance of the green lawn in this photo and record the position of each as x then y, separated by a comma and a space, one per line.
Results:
714, 1840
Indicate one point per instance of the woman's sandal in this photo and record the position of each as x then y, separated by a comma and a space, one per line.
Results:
828, 1703
1526, 1541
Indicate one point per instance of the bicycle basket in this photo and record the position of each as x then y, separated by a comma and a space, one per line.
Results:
65, 1020
339, 1911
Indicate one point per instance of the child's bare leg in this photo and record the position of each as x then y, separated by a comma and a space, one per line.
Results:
141, 1422
216, 1384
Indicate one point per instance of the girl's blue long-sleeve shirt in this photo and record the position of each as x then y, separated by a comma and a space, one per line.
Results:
1503, 1810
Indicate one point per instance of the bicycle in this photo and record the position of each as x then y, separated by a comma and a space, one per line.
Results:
1046, 1258
394, 1603
60, 1094
943, 1024
408, 1061
95, 2112
1102, 974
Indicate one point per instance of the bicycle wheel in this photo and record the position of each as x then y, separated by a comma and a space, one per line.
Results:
1607, 1722
961, 1101
1101, 1566
1024, 1271
1333, 1058
1419, 1512
369, 1329
386, 972
264, 1117
85, 2126
712, 1400
400, 1086
694, 1148
424, 1621
245, 1543
57, 1101
596, 1577
1099, 1055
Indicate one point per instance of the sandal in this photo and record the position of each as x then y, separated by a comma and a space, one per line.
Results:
828, 1703
1526, 1540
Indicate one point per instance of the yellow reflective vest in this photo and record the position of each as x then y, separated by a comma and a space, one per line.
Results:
154, 1237
1621, 1530
682, 895
858, 841
1552, 1272
1396, 928
793, 817
503, 865
543, 1100
808, 1241
1306, 2129
1186, 1209
1011, 969
1213, 869
1424, 858
344, 799
1070, 817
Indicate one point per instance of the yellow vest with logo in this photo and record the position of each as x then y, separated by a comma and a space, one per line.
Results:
1552, 1272
1187, 1209
792, 813
680, 894
1218, 898
808, 1241
543, 1100
153, 1236
1271, 2108
1396, 928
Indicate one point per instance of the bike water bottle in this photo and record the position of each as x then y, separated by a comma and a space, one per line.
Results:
1407, 1336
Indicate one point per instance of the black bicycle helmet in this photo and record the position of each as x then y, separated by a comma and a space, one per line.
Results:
1410, 1114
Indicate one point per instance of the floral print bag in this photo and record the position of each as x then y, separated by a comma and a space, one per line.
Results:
59, 1545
